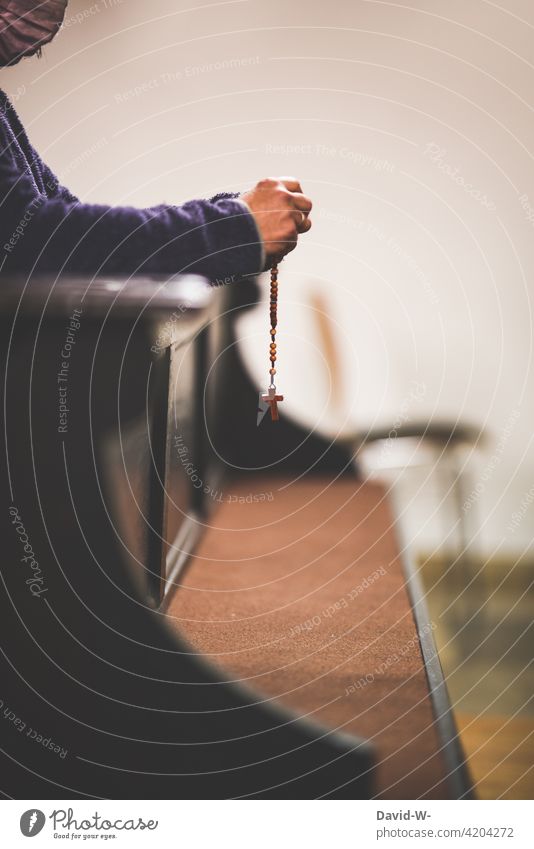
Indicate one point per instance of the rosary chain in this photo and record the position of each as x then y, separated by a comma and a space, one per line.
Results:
274, 320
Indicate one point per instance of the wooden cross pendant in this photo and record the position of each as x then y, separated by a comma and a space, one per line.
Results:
270, 397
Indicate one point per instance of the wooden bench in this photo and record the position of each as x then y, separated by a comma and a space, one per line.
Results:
101, 697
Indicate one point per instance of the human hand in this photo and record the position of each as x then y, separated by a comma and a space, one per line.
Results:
281, 212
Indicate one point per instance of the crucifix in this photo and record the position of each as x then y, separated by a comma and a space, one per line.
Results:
270, 397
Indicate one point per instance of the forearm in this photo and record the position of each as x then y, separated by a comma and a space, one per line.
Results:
215, 238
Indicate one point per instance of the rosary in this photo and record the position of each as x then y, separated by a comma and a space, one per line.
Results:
270, 397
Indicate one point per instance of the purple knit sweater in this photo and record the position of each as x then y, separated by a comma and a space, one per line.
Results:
43, 227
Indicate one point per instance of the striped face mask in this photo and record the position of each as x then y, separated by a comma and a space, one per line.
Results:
26, 25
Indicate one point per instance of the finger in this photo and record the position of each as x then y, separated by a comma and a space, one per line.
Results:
305, 226
283, 246
290, 241
286, 250
302, 203
291, 184
291, 247
301, 221
278, 255
274, 259
300, 218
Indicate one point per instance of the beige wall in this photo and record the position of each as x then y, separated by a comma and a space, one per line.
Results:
426, 281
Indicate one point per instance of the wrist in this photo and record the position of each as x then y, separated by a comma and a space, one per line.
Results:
260, 238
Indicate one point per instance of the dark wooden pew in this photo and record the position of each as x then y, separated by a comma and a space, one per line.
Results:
103, 380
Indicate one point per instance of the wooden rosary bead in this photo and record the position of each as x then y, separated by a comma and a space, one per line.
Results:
270, 396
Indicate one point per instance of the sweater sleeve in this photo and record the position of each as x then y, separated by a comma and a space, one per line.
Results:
54, 187
217, 238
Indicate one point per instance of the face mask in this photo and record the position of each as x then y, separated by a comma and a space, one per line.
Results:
25, 25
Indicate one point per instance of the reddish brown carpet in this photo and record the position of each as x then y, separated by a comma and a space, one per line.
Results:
277, 596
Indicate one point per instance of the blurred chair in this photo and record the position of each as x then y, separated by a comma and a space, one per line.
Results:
424, 468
